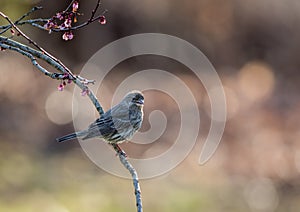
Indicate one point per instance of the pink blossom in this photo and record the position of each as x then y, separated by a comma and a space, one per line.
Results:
68, 36
85, 92
75, 6
102, 20
49, 25
59, 16
60, 87
68, 23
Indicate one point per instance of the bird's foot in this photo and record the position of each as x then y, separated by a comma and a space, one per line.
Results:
119, 150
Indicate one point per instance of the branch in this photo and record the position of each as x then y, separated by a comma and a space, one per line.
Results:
64, 69
49, 24
79, 81
17, 22
95, 10
32, 22
35, 44
83, 24
135, 179
69, 6
29, 12
32, 51
69, 17
33, 60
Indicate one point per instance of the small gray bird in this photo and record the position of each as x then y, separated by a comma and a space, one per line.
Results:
116, 125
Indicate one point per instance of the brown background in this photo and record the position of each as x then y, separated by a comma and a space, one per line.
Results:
254, 46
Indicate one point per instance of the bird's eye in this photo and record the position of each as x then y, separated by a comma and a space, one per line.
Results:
138, 99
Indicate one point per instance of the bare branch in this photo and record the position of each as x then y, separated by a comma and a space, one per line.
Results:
32, 22
17, 22
69, 6
33, 60
33, 52
95, 10
79, 81
134, 175
28, 13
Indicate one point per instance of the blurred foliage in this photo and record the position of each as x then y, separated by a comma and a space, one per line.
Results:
254, 47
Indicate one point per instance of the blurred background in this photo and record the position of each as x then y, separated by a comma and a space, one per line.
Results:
253, 45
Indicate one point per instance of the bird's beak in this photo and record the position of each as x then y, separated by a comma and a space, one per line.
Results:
140, 101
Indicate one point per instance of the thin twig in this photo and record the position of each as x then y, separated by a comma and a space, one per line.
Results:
95, 10
7, 27
69, 6
28, 13
31, 22
81, 25
34, 22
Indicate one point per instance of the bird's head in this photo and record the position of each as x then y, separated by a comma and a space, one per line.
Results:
134, 97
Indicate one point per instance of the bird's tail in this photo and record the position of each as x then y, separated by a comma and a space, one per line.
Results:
72, 136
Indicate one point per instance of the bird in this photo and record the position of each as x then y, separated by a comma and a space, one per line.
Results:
118, 124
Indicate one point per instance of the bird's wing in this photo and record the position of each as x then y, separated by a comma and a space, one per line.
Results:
115, 122
102, 127
107, 126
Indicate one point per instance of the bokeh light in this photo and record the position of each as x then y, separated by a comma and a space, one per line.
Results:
58, 107
261, 195
256, 81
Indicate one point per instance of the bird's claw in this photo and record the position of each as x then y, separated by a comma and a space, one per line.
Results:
119, 150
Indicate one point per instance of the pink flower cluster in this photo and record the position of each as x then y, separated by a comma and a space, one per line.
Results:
63, 83
68, 35
85, 92
65, 79
63, 21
